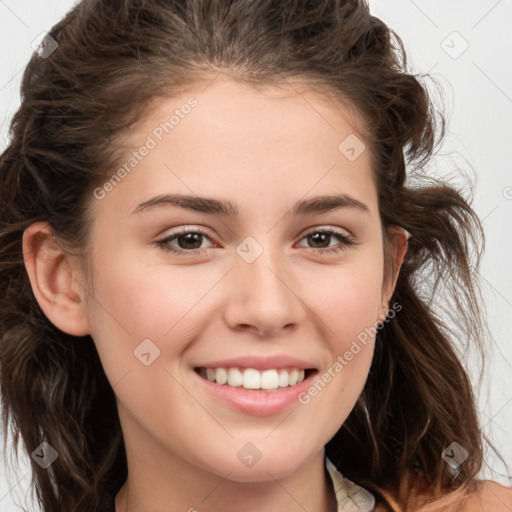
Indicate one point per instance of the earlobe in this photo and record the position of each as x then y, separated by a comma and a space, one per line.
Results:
55, 280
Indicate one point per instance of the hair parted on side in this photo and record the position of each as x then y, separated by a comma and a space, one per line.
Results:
113, 59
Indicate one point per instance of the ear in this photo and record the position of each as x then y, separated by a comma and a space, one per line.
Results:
56, 279
398, 247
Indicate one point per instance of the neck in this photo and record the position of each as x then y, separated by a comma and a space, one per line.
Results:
149, 488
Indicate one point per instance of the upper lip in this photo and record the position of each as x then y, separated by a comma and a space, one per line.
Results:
260, 363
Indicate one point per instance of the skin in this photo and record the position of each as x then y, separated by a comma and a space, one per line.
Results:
264, 151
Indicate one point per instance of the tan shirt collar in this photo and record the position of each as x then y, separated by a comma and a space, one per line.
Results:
349, 496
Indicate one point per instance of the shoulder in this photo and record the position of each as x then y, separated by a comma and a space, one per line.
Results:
484, 496
489, 496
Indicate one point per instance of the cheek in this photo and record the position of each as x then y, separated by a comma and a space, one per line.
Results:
134, 302
143, 320
348, 305
349, 300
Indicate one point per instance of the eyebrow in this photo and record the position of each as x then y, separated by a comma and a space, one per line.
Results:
317, 204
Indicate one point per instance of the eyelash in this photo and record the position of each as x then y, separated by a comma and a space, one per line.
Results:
164, 244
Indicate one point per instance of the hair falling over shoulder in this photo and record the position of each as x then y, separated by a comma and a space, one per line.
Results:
79, 101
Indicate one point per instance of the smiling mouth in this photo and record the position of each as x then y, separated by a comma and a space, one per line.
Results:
256, 380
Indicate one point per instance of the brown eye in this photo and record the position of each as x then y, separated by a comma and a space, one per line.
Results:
320, 239
187, 241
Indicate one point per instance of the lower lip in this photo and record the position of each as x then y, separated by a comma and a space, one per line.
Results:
258, 402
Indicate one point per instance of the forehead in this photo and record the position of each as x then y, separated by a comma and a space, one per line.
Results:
227, 136
277, 111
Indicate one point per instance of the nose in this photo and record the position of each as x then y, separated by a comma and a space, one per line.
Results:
264, 297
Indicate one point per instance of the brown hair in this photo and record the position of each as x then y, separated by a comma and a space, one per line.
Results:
78, 102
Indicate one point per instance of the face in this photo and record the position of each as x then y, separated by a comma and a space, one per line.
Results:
260, 284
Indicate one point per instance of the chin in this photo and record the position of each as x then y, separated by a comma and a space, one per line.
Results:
279, 465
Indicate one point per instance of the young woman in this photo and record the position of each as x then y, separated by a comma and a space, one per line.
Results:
218, 289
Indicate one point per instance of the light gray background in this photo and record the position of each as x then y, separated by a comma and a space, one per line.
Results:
477, 89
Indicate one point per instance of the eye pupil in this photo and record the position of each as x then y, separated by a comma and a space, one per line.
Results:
319, 237
189, 240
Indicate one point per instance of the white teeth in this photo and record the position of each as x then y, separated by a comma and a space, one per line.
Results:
269, 379
250, 378
235, 378
221, 376
283, 378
